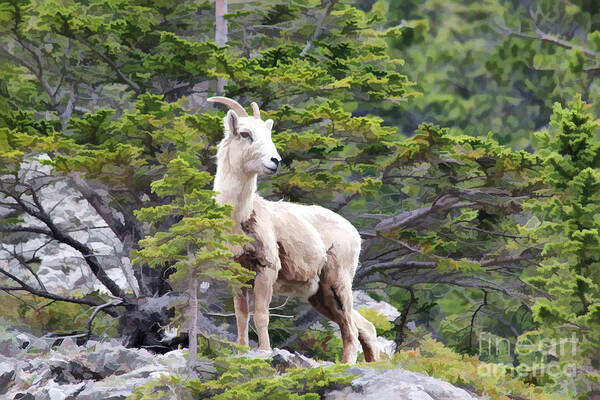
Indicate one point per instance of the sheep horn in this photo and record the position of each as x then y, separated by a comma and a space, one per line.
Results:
234, 105
256, 110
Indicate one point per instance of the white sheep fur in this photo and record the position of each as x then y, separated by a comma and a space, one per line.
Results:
304, 251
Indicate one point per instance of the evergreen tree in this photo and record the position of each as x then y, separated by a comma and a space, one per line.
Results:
196, 246
566, 223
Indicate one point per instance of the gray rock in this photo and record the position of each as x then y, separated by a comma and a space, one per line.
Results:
397, 383
174, 361
52, 391
7, 376
25, 339
362, 299
386, 346
119, 387
9, 349
107, 370
61, 267
73, 372
108, 359
283, 359
40, 345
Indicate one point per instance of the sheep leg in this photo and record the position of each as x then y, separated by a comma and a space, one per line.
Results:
367, 336
242, 316
349, 330
263, 292
335, 303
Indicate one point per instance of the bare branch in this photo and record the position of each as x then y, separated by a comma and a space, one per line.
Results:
54, 232
472, 228
406, 265
319, 27
96, 311
88, 300
25, 264
31, 229
102, 208
404, 219
483, 304
545, 37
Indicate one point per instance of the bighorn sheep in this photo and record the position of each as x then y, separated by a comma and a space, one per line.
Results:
304, 251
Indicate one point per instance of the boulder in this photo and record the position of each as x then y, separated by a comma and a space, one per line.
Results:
397, 383
109, 359
282, 359
7, 376
362, 299
61, 267
107, 370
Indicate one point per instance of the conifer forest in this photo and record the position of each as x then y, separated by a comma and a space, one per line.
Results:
460, 138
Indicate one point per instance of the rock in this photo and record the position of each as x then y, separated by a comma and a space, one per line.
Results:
283, 359
24, 396
72, 372
362, 299
25, 339
7, 376
53, 391
108, 359
8, 348
68, 347
74, 212
174, 361
109, 371
386, 346
397, 383
120, 387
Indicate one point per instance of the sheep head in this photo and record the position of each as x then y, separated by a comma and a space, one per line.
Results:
248, 139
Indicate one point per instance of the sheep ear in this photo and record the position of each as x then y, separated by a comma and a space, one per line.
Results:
269, 123
231, 120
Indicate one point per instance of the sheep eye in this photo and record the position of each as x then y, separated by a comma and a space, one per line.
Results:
245, 135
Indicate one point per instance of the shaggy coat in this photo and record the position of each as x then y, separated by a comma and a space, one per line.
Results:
303, 251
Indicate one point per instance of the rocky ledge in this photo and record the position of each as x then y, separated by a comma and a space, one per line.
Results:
30, 369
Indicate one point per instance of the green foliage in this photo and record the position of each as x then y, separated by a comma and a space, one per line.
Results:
251, 379
321, 344
215, 346
197, 244
382, 325
568, 299
97, 90
493, 380
478, 77
41, 316
241, 378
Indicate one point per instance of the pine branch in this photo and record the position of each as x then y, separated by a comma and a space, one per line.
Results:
38, 75
111, 63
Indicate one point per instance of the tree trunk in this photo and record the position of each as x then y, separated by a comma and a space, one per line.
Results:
193, 328
221, 35
193, 317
